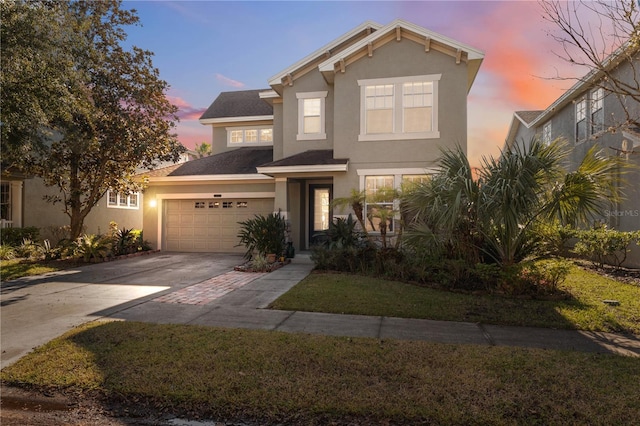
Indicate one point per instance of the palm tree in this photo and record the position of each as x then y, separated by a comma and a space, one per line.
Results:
494, 215
203, 149
355, 201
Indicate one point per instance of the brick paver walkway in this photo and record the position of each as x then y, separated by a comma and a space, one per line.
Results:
210, 290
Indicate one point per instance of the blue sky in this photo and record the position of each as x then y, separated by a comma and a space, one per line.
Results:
203, 48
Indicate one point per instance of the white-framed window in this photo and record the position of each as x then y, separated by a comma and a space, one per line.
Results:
378, 197
249, 135
399, 108
120, 200
597, 110
379, 186
5, 201
581, 120
311, 115
546, 133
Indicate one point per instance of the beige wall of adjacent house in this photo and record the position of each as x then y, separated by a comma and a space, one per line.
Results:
44, 215
204, 191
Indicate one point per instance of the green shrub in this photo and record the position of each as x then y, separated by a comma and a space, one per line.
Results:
553, 238
29, 249
263, 235
342, 233
534, 278
7, 252
90, 246
601, 245
15, 236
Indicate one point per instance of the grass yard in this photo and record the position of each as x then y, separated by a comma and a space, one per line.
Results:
272, 377
584, 309
17, 268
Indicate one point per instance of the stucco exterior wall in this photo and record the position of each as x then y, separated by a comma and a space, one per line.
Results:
397, 59
41, 214
310, 82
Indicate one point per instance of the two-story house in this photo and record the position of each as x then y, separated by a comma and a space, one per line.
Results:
592, 112
369, 110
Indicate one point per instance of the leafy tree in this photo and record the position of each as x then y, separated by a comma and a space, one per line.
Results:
203, 149
78, 110
493, 215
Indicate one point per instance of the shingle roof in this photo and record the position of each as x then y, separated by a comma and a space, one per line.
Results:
164, 171
244, 103
308, 158
239, 161
529, 116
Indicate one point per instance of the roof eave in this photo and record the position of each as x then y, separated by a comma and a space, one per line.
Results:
474, 56
595, 74
271, 170
276, 80
237, 119
207, 178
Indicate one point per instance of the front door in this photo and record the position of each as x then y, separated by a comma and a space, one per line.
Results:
320, 197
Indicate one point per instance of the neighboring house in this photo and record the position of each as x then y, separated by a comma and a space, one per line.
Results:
22, 204
590, 114
368, 110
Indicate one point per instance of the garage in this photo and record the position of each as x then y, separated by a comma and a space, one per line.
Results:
209, 225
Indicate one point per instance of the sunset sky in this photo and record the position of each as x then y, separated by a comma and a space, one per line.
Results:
203, 48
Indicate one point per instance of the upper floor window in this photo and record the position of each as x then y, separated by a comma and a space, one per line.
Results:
123, 201
251, 135
597, 110
311, 115
581, 120
399, 108
546, 133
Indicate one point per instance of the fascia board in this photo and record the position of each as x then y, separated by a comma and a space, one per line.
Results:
473, 53
268, 94
206, 178
277, 78
304, 169
236, 119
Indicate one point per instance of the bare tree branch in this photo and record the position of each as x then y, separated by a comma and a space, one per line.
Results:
598, 36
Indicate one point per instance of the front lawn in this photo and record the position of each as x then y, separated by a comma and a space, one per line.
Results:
273, 377
18, 268
583, 309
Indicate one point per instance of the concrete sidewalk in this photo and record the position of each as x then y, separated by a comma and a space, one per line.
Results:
243, 307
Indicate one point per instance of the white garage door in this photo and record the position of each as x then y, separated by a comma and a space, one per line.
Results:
209, 225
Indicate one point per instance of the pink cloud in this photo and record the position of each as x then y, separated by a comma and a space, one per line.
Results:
186, 111
228, 81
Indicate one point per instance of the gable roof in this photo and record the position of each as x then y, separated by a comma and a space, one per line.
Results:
520, 118
396, 30
309, 62
527, 117
245, 104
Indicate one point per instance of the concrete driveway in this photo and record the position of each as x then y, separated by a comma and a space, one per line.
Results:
38, 309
